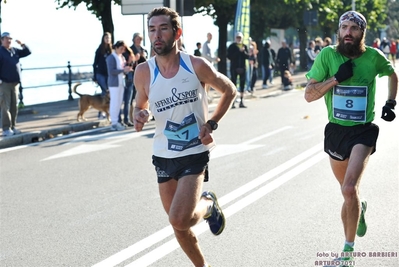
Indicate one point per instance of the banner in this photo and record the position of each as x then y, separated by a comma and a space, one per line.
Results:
242, 24
242, 19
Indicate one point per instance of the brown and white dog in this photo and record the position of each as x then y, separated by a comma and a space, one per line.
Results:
96, 101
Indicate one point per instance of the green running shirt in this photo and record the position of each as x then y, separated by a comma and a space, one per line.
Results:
352, 101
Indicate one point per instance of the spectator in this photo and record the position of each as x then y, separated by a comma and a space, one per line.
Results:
327, 41
287, 80
397, 50
141, 55
392, 51
385, 47
197, 52
310, 54
274, 56
318, 44
100, 73
377, 43
10, 79
207, 51
116, 66
130, 59
237, 53
253, 64
284, 59
267, 63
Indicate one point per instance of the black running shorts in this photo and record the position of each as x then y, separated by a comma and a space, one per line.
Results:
176, 168
339, 140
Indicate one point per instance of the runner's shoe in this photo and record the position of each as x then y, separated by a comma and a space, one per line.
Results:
362, 226
347, 256
214, 217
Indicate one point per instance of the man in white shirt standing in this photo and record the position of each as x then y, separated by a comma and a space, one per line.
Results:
206, 50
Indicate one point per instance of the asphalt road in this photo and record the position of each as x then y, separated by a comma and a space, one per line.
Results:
92, 199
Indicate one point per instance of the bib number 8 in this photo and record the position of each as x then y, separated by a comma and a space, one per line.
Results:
349, 103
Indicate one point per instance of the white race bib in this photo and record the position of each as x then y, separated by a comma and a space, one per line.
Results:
350, 103
182, 135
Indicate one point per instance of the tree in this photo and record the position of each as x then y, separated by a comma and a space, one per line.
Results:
328, 16
393, 19
100, 8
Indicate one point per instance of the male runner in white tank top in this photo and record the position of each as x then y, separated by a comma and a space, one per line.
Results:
171, 85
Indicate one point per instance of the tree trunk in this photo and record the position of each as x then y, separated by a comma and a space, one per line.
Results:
106, 18
302, 45
222, 49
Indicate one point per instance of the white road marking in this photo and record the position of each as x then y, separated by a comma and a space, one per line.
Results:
172, 245
87, 148
219, 151
308, 159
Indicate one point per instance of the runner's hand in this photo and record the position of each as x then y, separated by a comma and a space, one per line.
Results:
388, 112
205, 135
140, 118
345, 71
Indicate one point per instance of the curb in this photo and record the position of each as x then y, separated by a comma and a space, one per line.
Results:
39, 136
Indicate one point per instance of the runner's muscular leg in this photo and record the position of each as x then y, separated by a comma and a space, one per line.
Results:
181, 201
348, 174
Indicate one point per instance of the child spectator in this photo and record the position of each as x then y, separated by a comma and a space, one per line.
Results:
287, 80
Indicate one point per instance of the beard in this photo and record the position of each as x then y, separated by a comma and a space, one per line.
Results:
164, 50
355, 49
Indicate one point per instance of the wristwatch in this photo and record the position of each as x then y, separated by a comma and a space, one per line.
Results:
213, 124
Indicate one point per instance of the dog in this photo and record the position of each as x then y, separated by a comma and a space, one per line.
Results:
96, 101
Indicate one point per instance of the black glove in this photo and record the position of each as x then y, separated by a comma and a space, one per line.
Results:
388, 112
345, 71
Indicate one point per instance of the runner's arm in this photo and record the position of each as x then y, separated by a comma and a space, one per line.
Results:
392, 86
141, 113
315, 90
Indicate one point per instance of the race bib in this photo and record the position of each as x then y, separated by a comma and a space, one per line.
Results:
182, 135
350, 103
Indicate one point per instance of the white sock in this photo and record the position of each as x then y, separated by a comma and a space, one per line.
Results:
351, 244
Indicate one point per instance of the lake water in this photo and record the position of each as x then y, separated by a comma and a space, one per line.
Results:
36, 91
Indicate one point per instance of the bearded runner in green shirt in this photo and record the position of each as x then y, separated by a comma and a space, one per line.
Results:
345, 75
352, 101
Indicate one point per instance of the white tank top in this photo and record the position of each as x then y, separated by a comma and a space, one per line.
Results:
180, 107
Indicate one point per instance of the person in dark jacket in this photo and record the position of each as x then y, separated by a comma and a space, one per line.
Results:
140, 55
10, 79
197, 52
284, 59
237, 53
267, 63
100, 74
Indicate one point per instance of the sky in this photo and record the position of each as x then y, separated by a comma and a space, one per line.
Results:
58, 36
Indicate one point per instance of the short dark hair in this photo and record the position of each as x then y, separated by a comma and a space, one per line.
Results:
173, 15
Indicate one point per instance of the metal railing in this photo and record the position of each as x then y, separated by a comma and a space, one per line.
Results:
69, 81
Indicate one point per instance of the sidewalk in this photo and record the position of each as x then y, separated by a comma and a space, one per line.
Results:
45, 121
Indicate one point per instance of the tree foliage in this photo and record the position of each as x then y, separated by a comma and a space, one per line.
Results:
393, 19
100, 8
269, 14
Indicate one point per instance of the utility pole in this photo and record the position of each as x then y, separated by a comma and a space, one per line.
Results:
0, 15
172, 4
353, 5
